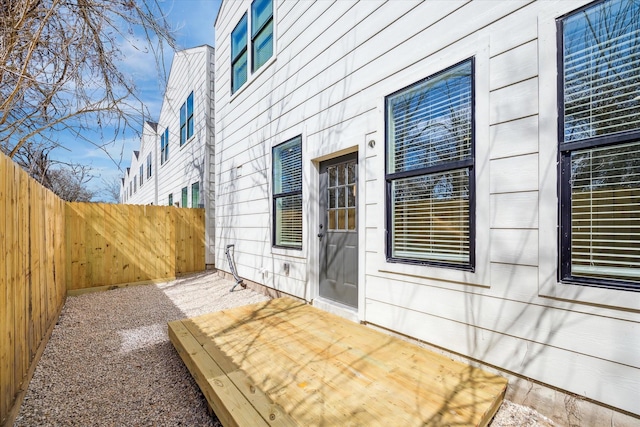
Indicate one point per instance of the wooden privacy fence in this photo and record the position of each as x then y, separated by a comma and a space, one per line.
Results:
48, 246
117, 244
32, 276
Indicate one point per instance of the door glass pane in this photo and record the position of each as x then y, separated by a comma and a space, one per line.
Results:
341, 173
341, 219
332, 198
331, 216
351, 196
332, 176
351, 173
351, 218
341, 197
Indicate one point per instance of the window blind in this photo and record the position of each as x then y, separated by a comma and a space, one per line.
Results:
287, 193
430, 217
602, 70
429, 170
605, 212
431, 124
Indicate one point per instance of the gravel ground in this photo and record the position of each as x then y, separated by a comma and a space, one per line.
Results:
109, 361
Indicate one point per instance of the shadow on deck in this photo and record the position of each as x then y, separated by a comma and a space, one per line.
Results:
283, 362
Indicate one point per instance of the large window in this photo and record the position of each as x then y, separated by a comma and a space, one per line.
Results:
599, 144
287, 194
261, 32
195, 195
164, 146
429, 170
149, 170
186, 120
141, 175
239, 55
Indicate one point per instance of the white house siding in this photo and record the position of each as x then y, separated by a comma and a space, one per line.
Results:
333, 64
191, 71
145, 193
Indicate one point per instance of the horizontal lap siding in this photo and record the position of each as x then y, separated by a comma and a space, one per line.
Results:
335, 63
186, 164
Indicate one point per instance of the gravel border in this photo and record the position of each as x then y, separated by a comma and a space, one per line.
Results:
109, 361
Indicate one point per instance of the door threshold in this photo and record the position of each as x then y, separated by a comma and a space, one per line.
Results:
334, 307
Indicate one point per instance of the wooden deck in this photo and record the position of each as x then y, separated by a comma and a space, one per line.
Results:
283, 362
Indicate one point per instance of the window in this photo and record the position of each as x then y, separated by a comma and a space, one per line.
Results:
184, 197
239, 55
287, 194
130, 192
149, 172
186, 120
599, 145
430, 170
261, 32
170, 199
261, 23
135, 184
141, 175
195, 195
164, 146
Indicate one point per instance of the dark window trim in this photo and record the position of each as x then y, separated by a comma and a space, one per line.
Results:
258, 32
164, 146
235, 59
565, 149
468, 163
276, 196
188, 116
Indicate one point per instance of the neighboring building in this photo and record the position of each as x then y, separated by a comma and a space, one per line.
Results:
174, 165
398, 163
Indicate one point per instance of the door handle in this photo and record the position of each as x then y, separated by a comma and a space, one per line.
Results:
321, 233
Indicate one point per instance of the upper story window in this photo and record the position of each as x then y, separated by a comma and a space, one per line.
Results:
430, 170
149, 170
239, 55
260, 20
599, 144
287, 194
164, 146
186, 120
261, 32
141, 175
135, 184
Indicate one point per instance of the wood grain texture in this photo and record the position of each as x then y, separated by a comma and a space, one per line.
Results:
32, 287
113, 244
297, 365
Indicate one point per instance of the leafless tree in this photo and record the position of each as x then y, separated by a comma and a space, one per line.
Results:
111, 189
59, 67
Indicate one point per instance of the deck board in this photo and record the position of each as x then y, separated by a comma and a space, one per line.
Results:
283, 362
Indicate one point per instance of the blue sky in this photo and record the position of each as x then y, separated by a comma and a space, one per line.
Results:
193, 22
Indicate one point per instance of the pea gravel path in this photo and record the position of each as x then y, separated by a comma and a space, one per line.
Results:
109, 361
